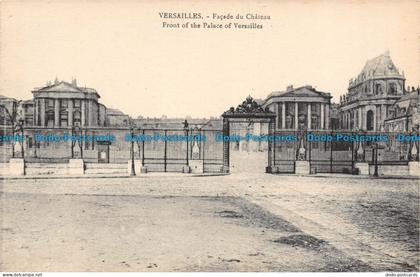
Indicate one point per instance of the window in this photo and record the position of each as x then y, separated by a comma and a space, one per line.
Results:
290, 115
64, 104
392, 89
50, 119
77, 103
77, 118
50, 103
63, 119
369, 120
30, 142
378, 89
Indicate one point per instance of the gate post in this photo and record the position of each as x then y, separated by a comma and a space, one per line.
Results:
269, 168
226, 149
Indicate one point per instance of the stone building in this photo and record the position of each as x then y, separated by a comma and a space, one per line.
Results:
65, 104
404, 114
8, 106
371, 95
117, 118
303, 108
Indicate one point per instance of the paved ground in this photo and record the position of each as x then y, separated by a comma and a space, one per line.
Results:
240, 222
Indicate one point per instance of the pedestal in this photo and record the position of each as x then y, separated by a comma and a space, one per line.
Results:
17, 167
302, 168
197, 166
76, 167
363, 168
414, 168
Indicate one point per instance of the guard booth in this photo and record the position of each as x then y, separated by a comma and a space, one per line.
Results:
247, 112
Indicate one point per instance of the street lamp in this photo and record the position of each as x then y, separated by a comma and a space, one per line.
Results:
133, 170
376, 146
186, 135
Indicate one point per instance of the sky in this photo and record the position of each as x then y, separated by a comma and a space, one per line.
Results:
120, 49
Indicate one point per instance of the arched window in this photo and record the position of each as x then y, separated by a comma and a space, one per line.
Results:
378, 89
392, 89
369, 120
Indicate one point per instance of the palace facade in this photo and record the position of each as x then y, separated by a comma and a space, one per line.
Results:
61, 105
65, 104
302, 108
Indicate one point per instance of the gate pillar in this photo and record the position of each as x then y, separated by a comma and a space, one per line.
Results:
270, 143
226, 149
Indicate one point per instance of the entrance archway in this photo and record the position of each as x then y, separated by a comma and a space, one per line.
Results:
248, 112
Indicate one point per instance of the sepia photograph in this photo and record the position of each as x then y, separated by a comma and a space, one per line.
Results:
248, 136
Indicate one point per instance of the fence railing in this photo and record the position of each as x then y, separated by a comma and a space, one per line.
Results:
113, 145
328, 154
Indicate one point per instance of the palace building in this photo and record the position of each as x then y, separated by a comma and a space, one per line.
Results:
370, 96
303, 108
65, 104
404, 114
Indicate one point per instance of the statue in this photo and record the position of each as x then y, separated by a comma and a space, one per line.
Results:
195, 150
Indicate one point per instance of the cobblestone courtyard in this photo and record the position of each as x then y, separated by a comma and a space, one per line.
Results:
240, 222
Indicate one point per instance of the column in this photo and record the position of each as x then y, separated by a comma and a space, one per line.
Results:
354, 119
283, 116
42, 108
360, 118
327, 116
296, 116
70, 112
322, 116
89, 113
277, 115
35, 112
363, 117
383, 115
270, 157
56, 113
83, 123
309, 116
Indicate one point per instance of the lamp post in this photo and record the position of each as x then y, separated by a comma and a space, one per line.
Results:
375, 148
133, 170
186, 134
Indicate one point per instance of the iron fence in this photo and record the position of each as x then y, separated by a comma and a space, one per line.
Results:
46, 145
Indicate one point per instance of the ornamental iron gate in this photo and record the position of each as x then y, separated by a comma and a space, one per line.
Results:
247, 112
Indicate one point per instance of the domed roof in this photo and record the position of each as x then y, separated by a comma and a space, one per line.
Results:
377, 67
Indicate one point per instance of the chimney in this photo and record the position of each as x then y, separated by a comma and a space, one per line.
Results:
289, 88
